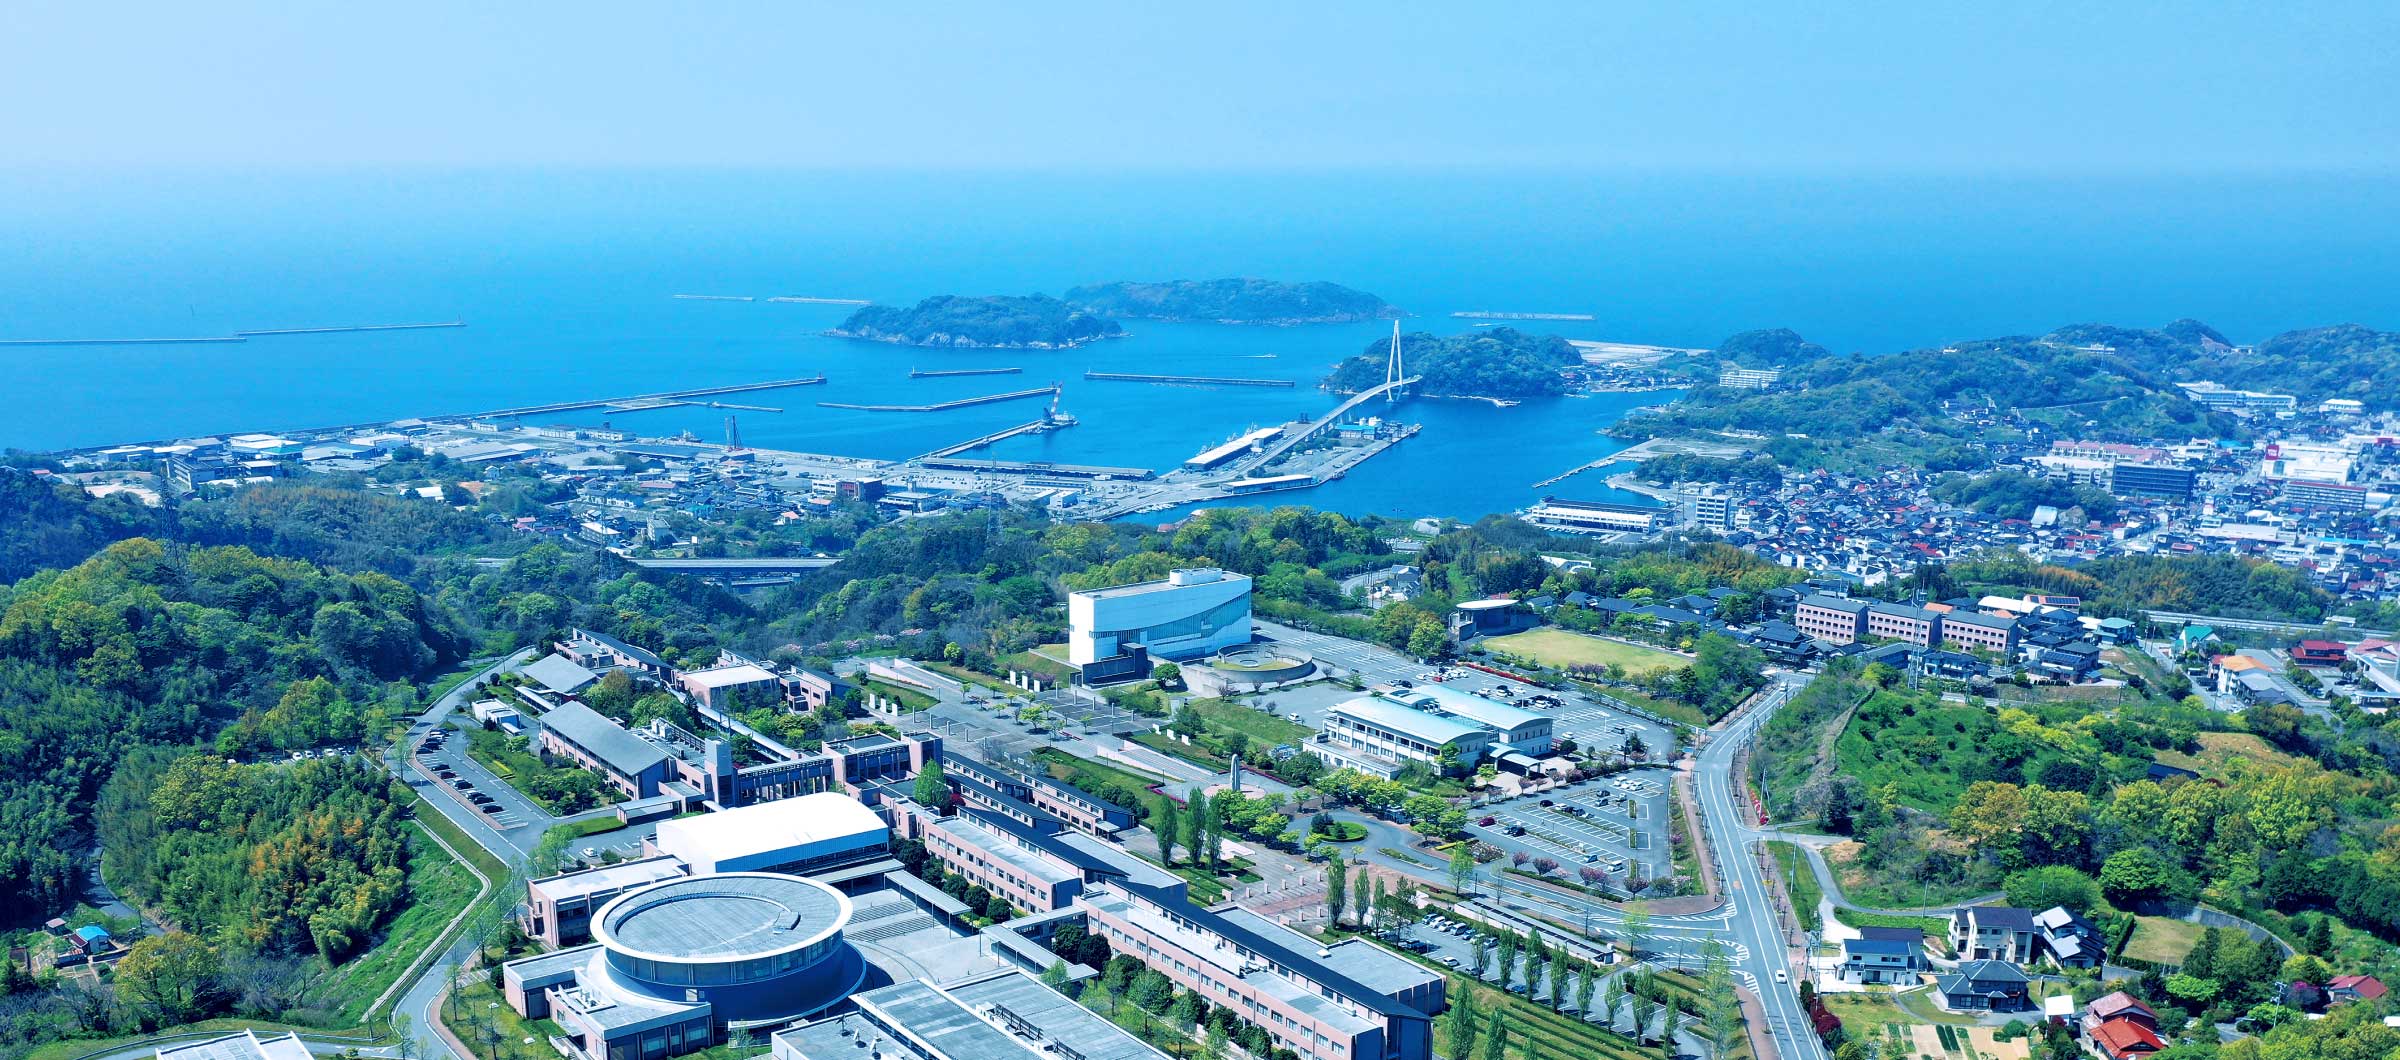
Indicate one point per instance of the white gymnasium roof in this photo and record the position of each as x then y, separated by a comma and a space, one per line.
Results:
759, 827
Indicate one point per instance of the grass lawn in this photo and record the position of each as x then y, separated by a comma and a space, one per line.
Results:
1936, 929
478, 1006
910, 700
2160, 940
432, 820
438, 888
1195, 752
971, 677
1669, 709
1095, 776
1881, 893
1227, 716
1048, 659
507, 757
2219, 749
1563, 648
1865, 1012
74, 1047
1792, 862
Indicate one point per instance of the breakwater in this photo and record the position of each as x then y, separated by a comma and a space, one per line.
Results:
1186, 380
987, 399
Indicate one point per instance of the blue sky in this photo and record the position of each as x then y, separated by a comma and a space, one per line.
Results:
1823, 87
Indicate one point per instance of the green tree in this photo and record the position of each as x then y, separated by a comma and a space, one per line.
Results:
1495, 1038
1337, 889
1163, 828
1196, 823
1427, 639
1462, 867
1167, 674
2043, 886
932, 789
173, 976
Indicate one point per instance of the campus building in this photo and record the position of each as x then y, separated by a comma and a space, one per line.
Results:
579, 734
1833, 619
809, 834
1077, 808
1032, 861
677, 965
1972, 630
1000, 1015
246, 1045
1380, 736
558, 909
1904, 623
1115, 633
1349, 1001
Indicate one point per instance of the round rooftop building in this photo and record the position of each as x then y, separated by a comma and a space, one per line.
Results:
756, 946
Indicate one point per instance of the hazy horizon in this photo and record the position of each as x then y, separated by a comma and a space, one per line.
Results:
1090, 88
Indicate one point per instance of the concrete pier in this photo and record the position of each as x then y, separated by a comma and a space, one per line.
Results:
987, 399
1186, 380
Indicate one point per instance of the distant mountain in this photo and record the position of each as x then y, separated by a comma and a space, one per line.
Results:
1939, 408
1487, 362
1233, 301
1014, 322
2345, 360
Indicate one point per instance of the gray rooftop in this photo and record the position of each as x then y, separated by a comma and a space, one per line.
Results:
1431, 729
246, 1045
1004, 1015
559, 674
604, 738
1370, 965
722, 916
611, 877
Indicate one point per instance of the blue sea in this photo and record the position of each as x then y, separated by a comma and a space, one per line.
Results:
566, 285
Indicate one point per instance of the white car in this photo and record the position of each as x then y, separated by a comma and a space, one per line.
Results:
1780, 977
591, 853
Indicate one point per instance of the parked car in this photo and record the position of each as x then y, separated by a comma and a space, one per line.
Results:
1487, 821
490, 807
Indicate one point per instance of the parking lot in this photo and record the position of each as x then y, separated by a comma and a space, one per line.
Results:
441, 761
1619, 825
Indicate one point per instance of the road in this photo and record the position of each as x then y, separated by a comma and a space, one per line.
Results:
511, 845
1752, 920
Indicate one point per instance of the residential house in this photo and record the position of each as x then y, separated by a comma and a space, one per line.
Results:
2115, 1006
1983, 986
1866, 960
1992, 933
2124, 1039
2344, 988
2069, 940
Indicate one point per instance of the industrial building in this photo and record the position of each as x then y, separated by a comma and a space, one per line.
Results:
810, 833
676, 966
1558, 513
1001, 1015
1114, 633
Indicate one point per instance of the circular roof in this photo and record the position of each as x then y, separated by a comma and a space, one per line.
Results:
726, 916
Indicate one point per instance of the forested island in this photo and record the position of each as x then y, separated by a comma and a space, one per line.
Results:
996, 322
1242, 300
1487, 362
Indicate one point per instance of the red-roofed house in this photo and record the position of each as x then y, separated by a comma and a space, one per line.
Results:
2124, 1039
2115, 1006
2320, 653
2343, 988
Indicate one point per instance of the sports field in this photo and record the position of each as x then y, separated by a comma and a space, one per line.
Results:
1558, 647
